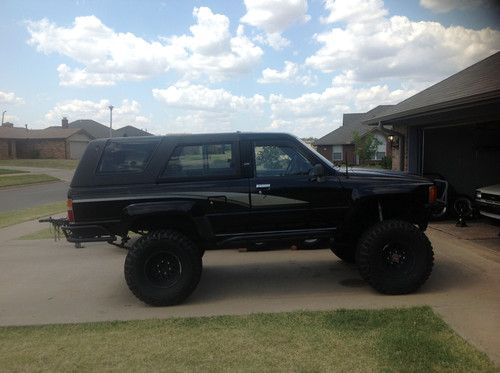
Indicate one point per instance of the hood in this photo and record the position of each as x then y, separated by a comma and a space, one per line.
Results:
382, 173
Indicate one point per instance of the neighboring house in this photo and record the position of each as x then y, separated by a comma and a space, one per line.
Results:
130, 131
451, 128
99, 131
338, 145
62, 143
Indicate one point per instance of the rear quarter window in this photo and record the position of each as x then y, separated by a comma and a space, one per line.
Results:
127, 157
202, 160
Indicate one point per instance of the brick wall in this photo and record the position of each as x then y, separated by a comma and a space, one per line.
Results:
4, 149
325, 151
42, 149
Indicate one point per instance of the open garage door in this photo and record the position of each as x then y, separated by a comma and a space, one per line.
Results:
468, 156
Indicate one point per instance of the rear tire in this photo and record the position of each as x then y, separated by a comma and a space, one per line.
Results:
394, 257
163, 268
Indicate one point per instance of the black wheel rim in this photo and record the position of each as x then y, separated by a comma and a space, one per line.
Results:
397, 258
163, 269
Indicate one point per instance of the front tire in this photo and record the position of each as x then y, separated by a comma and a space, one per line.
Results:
163, 268
395, 257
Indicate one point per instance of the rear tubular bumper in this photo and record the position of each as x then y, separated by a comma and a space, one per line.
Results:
81, 232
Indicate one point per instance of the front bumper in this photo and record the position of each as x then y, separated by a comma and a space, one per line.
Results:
488, 208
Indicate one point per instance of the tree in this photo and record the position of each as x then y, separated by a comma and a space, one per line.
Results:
365, 146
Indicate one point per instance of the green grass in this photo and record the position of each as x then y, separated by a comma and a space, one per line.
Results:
42, 234
49, 163
14, 180
18, 216
5, 171
410, 340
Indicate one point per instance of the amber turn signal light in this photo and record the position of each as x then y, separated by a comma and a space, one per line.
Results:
432, 194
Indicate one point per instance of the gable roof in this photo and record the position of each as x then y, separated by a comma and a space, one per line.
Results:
17, 133
95, 129
130, 131
351, 122
478, 82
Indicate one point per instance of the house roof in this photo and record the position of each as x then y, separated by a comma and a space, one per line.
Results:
130, 131
478, 82
351, 122
93, 128
17, 133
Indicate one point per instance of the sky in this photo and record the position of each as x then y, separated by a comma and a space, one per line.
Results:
241, 65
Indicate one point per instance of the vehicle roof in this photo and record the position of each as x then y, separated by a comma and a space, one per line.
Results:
208, 136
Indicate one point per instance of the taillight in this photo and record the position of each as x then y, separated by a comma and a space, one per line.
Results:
432, 194
69, 205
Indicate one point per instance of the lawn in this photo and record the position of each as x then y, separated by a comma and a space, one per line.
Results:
18, 216
6, 171
411, 339
49, 163
25, 179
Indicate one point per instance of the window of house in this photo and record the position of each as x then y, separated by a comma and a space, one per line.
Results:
380, 153
127, 156
337, 152
280, 160
203, 160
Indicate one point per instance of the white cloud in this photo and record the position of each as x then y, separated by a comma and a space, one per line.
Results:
189, 96
108, 56
320, 112
200, 122
273, 17
359, 11
10, 98
396, 47
289, 74
443, 6
127, 113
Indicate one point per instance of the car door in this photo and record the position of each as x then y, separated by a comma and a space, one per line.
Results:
280, 187
283, 194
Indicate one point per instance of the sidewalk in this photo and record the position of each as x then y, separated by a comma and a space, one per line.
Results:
15, 231
62, 174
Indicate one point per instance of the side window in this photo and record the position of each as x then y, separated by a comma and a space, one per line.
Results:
202, 160
280, 160
130, 156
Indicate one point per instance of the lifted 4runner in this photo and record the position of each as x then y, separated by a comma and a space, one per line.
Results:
187, 193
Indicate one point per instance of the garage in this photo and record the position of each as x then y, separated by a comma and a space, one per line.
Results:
451, 129
76, 149
467, 156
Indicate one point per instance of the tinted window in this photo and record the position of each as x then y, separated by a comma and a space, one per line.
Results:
127, 156
280, 160
201, 160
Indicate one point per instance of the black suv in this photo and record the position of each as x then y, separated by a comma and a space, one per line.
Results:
188, 193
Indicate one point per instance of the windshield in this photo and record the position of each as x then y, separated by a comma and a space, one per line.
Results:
325, 160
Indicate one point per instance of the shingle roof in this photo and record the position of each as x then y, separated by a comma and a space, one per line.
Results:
352, 122
17, 133
130, 131
93, 128
476, 83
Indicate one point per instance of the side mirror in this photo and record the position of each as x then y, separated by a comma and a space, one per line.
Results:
318, 173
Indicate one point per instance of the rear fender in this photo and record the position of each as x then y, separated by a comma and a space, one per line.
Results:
186, 216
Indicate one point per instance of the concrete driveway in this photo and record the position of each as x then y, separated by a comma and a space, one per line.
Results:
51, 282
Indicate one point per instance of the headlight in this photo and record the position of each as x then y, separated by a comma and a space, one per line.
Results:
478, 194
